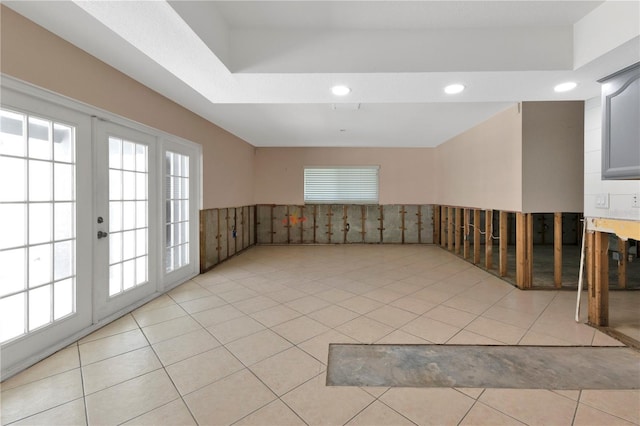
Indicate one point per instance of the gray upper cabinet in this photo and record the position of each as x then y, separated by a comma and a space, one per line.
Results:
621, 124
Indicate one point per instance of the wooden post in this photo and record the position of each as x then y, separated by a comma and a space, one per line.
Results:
458, 230
529, 253
557, 249
476, 236
488, 239
465, 250
419, 214
436, 224
203, 241
622, 263
443, 226
523, 276
450, 228
402, 223
589, 261
599, 294
504, 241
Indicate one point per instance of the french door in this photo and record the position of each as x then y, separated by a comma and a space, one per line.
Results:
95, 218
125, 260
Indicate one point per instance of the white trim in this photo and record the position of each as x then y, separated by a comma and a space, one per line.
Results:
41, 95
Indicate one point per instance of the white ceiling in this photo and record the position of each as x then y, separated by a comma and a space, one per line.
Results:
263, 69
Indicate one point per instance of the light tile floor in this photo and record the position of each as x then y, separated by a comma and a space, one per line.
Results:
247, 344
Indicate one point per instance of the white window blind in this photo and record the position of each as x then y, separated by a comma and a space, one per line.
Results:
358, 185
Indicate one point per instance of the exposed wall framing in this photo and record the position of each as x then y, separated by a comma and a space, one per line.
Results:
225, 232
344, 224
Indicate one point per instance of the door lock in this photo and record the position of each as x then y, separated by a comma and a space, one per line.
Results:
102, 234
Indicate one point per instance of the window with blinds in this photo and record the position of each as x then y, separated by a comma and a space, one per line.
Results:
356, 185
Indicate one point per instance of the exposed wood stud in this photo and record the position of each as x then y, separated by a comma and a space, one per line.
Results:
599, 305
488, 239
315, 226
288, 224
476, 236
363, 217
381, 219
271, 230
465, 244
504, 242
218, 236
303, 219
436, 224
589, 263
557, 249
521, 245
622, 263
402, 212
419, 214
529, 252
203, 240
450, 219
344, 223
443, 226
226, 228
329, 224
458, 230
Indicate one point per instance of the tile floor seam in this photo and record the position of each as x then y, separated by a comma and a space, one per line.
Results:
499, 411
475, 401
393, 409
48, 409
602, 411
164, 368
84, 399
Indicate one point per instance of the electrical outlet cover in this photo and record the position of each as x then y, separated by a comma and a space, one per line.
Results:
602, 201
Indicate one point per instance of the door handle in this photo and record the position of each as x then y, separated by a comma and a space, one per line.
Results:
102, 234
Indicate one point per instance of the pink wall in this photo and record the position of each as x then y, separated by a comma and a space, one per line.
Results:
33, 54
482, 167
552, 152
407, 175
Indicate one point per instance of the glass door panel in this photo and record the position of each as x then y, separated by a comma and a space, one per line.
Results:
45, 290
124, 228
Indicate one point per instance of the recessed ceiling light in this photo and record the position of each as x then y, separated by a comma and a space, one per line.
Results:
565, 87
452, 89
340, 90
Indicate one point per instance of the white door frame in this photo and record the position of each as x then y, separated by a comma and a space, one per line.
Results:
16, 357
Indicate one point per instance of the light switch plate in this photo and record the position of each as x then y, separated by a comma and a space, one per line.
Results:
602, 201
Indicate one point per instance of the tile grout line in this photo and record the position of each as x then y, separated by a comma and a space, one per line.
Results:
168, 376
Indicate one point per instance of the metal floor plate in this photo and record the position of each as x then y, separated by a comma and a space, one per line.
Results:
515, 367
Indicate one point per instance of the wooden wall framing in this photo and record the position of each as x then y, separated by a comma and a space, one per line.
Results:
225, 232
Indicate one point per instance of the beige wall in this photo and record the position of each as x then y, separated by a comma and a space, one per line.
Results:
407, 175
552, 152
34, 55
482, 167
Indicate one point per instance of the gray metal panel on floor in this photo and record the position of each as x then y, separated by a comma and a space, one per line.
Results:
476, 366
